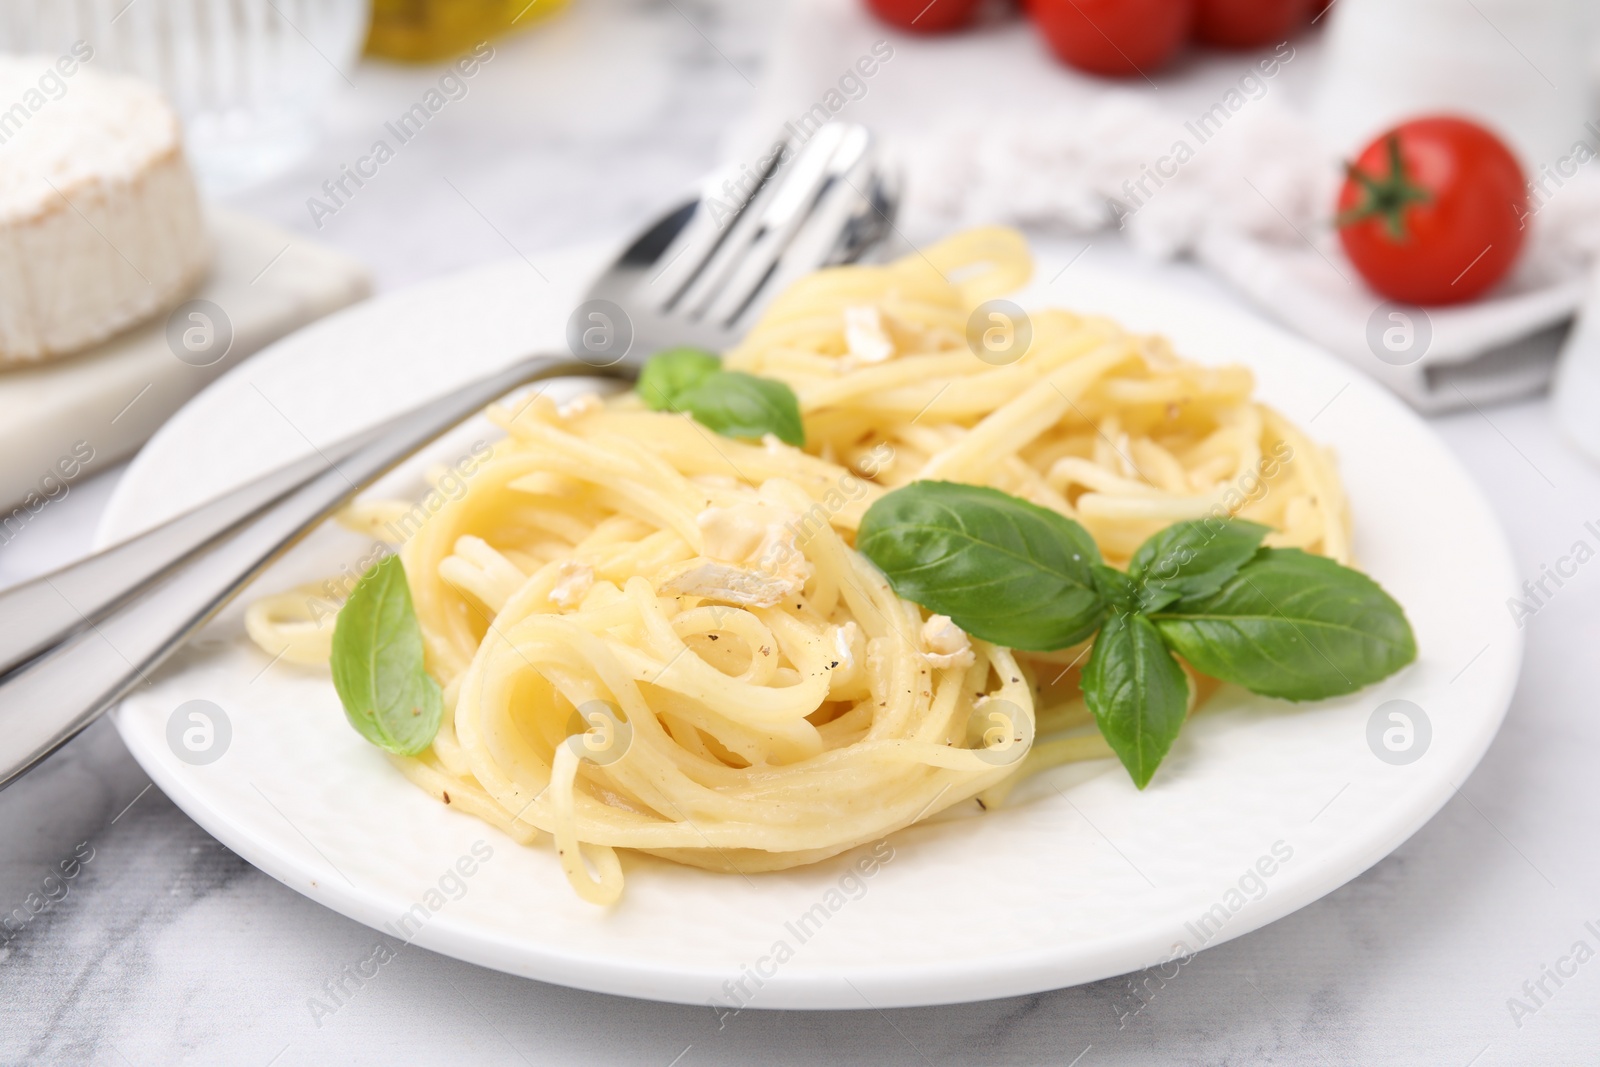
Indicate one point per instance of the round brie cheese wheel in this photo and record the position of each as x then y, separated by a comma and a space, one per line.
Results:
100, 221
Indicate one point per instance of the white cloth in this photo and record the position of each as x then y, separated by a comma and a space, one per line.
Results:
990, 129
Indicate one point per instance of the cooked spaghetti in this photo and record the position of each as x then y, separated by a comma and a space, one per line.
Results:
654, 638
1107, 427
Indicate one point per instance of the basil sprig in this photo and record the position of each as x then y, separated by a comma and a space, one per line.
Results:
1278, 622
668, 375
1137, 692
732, 403
1192, 559
1292, 625
377, 664
1006, 570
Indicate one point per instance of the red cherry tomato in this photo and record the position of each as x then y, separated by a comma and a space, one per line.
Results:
925, 16
1432, 212
1119, 38
1248, 23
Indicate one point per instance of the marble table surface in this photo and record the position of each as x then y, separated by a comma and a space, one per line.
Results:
167, 948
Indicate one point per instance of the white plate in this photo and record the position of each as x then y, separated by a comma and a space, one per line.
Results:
1087, 880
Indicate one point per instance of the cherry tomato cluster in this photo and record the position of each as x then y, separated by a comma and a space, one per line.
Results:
1121, 38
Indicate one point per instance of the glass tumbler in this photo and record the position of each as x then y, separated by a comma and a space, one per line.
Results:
248, 77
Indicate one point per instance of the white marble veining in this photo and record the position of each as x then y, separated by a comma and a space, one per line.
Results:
169, 949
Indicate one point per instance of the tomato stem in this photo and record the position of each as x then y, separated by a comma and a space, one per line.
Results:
1385, 196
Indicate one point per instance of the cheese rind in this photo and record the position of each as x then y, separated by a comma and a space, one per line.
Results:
100, 220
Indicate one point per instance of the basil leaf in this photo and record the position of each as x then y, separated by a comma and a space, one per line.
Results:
377, 664
1137, 692
736, 404
1003, 569
1292, 625
1192, 559
732, 403
668, 375
1119, 591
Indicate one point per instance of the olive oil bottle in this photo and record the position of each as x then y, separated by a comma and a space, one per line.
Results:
419, 31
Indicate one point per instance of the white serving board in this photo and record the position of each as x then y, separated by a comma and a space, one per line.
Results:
107, 401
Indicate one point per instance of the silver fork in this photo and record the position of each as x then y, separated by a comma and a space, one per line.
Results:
75, 641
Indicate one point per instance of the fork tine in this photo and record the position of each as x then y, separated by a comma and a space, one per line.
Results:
712, 264
821, 193
767, 223
714, 219
850, 215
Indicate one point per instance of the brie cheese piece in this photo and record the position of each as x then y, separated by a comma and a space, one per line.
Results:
100, 220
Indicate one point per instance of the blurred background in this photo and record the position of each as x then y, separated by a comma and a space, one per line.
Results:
517, 129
